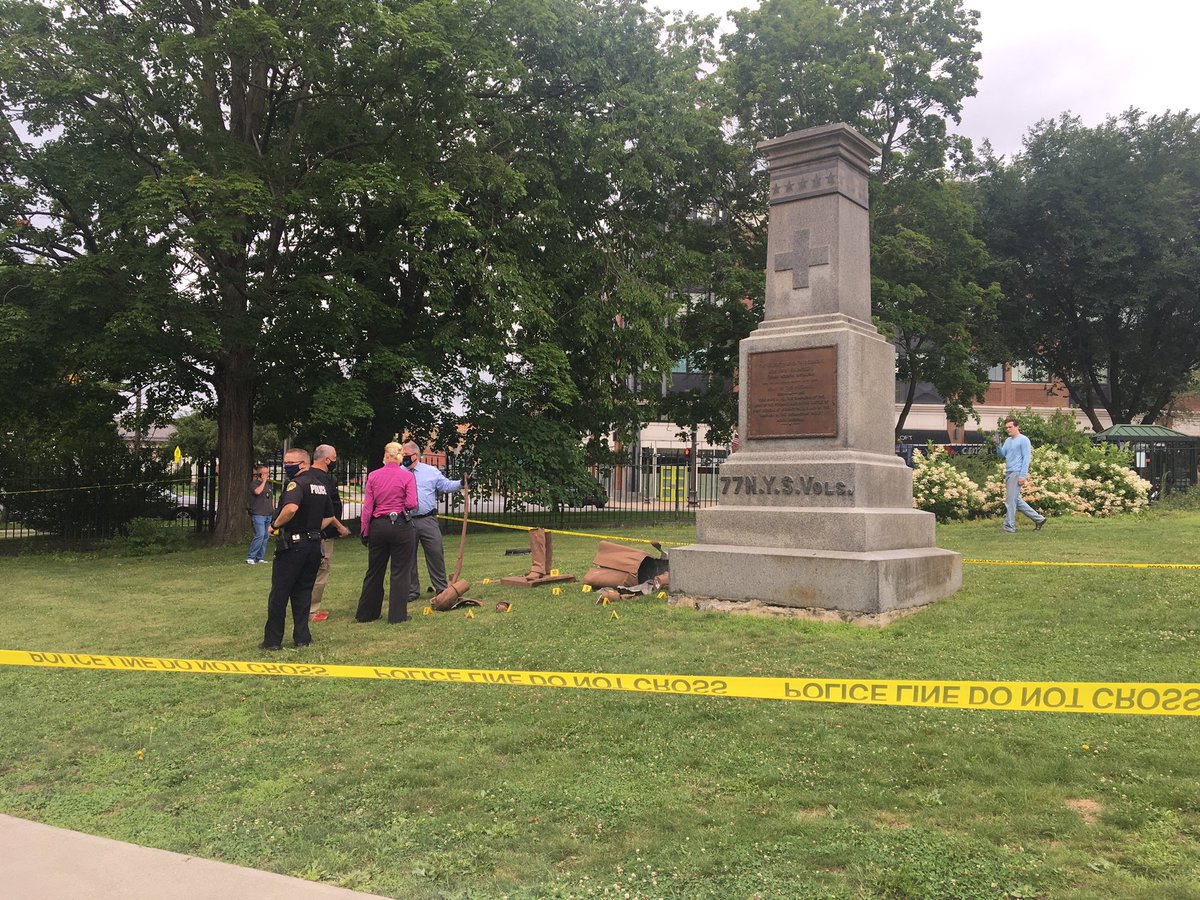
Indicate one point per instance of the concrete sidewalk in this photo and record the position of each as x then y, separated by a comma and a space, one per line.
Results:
40, 862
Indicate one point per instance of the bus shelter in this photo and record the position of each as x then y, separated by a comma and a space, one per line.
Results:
1165, 458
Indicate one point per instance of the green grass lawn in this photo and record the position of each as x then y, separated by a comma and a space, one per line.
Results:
436, 790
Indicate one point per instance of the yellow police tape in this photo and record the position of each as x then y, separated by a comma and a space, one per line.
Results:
978, 562
96, 487
588, 534
1124, 698
1095, 565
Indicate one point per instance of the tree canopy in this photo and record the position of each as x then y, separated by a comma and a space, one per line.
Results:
1097, 231
926, 269
356, 215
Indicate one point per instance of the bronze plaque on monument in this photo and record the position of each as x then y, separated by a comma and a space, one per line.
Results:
792, 393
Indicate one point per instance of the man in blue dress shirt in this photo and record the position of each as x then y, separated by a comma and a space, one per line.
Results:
430, 484
1016, 451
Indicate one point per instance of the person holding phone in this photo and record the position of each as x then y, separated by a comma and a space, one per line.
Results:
1017, 452
261, 507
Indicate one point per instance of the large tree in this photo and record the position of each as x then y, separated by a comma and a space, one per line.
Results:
894, 69
1098, 234
926, 268
618, 149
168, 158
366, 217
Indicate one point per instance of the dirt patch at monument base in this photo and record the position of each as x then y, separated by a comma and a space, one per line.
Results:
775, 611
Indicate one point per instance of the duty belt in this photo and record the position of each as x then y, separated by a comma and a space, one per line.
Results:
394, 517
305, 536
432, 512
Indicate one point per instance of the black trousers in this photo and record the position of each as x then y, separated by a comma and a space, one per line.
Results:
388, 543
292, 578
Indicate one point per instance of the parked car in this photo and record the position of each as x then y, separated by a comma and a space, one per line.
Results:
180, 513
594, 494
173, 507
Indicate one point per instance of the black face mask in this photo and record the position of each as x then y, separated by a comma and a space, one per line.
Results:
291, 470
409, 460
332, 464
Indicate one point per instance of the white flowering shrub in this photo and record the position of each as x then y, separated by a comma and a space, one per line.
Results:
1110, 486
1058, 485
941, 489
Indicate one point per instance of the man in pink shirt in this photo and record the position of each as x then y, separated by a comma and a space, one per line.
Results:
389, 499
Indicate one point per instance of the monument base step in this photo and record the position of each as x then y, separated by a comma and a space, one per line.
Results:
861, 583
856, 530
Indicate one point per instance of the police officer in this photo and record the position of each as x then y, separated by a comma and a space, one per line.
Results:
305, 509
324, 458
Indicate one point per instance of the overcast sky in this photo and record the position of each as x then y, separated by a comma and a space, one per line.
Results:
1044, 57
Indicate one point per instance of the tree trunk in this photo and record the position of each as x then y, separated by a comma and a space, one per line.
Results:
908, 402
234, 385
379, 435
1083, 400
1089, 410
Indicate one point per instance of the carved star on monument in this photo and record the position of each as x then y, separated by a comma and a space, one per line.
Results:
800, 258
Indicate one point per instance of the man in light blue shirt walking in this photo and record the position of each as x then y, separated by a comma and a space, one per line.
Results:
1016, 451
430, 484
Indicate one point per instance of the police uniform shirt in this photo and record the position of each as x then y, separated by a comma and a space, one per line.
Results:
312, 496
331, 489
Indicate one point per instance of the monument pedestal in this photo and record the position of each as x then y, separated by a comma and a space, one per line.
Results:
815, 509
864, 583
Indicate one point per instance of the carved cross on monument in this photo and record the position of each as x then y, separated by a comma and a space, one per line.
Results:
800, 259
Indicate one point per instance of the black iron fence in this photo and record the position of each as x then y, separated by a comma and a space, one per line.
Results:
55, 508
52, 506
654, 485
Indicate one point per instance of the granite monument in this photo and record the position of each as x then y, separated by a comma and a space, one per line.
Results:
815, 509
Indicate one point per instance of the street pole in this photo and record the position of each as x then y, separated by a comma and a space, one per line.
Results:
693, 500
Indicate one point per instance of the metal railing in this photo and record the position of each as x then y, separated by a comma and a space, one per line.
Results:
655, 487
53, 508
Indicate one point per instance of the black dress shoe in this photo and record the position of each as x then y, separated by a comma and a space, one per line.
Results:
265, 646
305, 644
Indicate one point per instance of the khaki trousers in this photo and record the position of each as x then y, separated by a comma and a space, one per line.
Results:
318, 591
